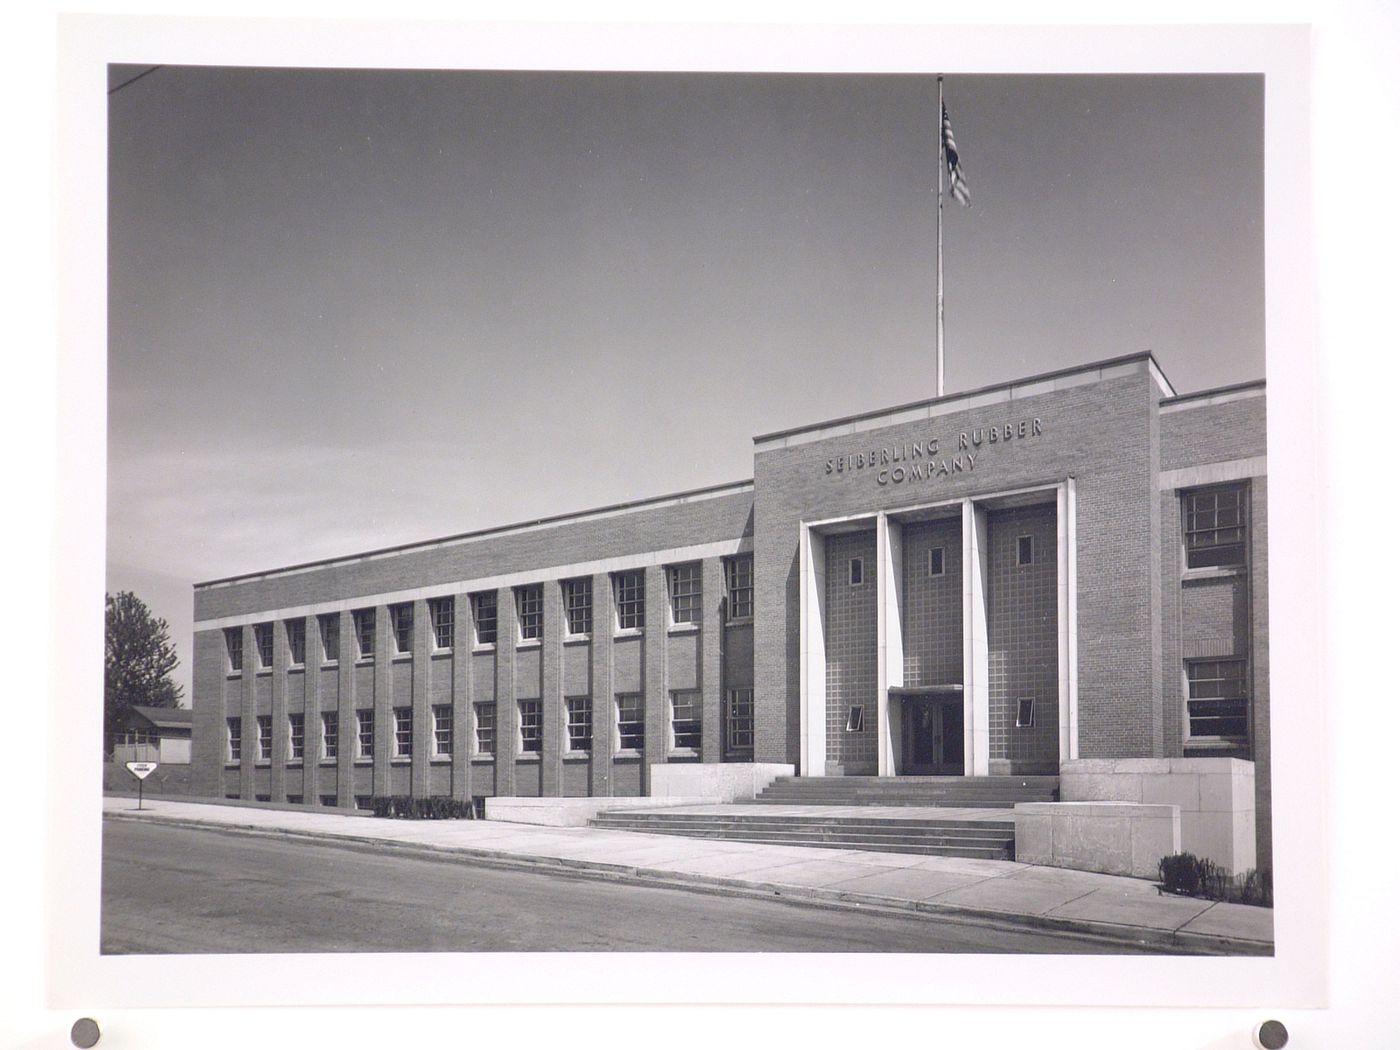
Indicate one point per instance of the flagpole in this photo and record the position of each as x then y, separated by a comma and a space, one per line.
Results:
942, 162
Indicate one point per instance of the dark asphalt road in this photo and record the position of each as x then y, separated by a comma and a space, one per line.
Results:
183, 890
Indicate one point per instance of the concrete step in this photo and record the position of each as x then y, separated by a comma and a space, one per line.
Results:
760, 817
1001, 792
984, 849
952, 802
990, 839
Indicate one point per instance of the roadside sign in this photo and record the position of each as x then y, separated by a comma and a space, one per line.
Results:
141, 770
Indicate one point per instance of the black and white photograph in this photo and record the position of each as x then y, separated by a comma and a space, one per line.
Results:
797, 526
429, 572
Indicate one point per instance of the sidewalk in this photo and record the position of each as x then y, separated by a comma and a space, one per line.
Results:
976, 891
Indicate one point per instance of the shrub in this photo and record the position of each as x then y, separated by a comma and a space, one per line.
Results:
1192, 876
435, 807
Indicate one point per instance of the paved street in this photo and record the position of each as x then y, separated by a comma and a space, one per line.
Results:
186, 890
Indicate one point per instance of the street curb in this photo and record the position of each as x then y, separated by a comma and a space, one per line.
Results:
1177, 941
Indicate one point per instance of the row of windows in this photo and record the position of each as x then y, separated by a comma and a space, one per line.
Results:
1214, 534
629, 590
629, 727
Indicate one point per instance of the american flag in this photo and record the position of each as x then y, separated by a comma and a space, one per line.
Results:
957, 184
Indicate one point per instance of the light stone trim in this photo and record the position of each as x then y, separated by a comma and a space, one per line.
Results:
889, 548
1213, 473
812, 657
1222, 397
698, 552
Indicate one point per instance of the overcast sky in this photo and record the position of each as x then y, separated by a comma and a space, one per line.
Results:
350, 309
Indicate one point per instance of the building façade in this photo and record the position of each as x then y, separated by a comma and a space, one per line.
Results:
1067, 567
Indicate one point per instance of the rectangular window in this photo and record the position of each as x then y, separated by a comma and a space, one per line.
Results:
1214, 521
485, 728
296, 735
685, 593
1216, 705
631, 600
685, 719
296, 640
330, 637
233, 643
529, 603
364, 732
330, 734
295, 800
738, 572
328, 801
631, 731
444, 615
235, 739
364, 801
579, 712
442, 729
1025, 712
1025, 550
265, 738
578, 606
738, 721
857, 571
484, 612
364, 632
855, 719
403, 732
531, 730
401, 616
935, 561
262, 638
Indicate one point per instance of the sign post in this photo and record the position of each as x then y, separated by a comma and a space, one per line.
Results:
141, 770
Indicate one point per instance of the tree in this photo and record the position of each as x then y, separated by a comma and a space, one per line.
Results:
140, 657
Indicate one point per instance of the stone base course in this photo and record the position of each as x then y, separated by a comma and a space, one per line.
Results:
1215, 797
569, 812
1116, 838
715, 781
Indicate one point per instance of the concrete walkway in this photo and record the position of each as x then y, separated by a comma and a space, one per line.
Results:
980, 891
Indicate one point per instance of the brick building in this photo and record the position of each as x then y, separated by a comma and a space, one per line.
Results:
1066, 567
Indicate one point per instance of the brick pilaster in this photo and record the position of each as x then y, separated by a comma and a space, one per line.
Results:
507, 715
461, 697
658, 724
551, 696
349, 730
383, 702
422, 648
712, 616
604, 707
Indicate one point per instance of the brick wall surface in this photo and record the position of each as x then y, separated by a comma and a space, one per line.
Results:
1022, 640
1212, 433
933, 609
665, 657
850, 651
701, 521
1098, 432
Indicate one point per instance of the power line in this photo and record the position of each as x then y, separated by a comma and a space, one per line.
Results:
138, 76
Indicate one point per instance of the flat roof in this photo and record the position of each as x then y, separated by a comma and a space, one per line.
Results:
674, 498
165, 717
964, 399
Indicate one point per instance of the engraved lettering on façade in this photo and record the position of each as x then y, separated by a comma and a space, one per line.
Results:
921, 460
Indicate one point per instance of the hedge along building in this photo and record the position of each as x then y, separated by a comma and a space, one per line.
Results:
1007, 581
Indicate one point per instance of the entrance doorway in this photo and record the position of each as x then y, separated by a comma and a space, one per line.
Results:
932, 735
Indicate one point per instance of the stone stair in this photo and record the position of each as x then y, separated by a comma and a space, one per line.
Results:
1000, 792
981, 838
